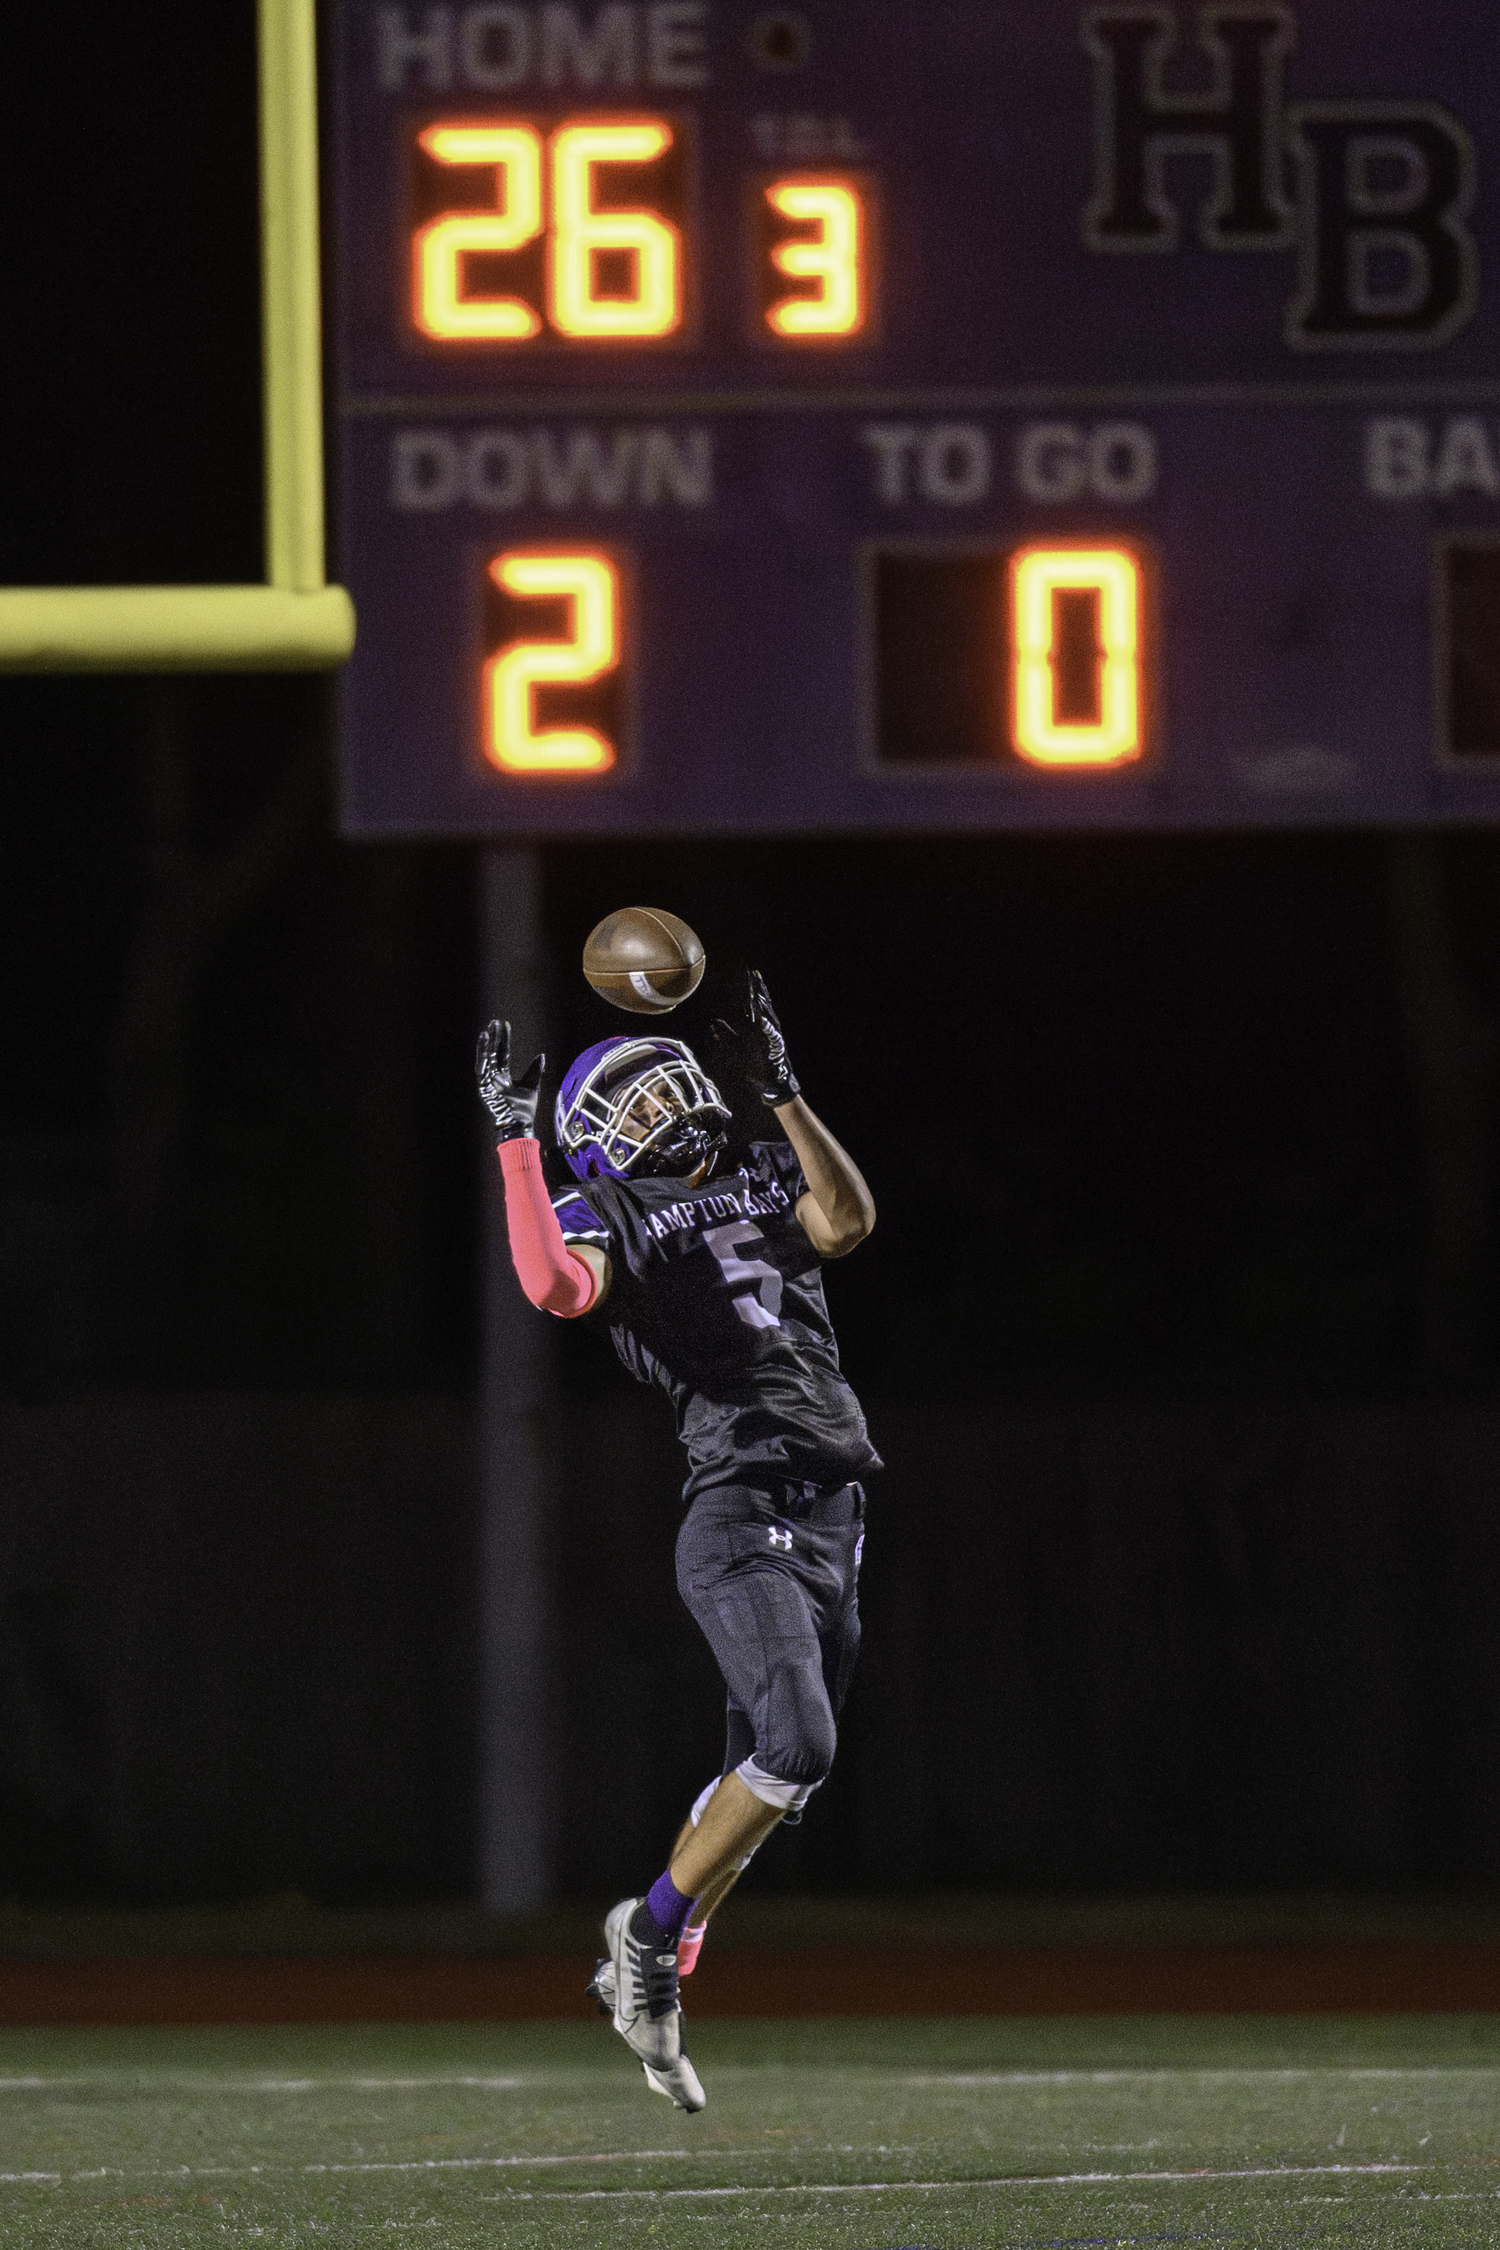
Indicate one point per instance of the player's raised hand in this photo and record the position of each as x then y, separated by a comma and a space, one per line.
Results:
758, 1045
510, 1101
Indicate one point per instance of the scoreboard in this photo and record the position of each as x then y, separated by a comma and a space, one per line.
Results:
869, 417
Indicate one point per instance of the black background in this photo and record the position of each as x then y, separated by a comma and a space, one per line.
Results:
1178, 1329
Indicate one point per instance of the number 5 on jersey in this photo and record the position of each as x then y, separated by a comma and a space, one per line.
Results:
759, 1304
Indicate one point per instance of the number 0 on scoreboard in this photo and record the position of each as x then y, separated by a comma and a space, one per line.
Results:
1034, 656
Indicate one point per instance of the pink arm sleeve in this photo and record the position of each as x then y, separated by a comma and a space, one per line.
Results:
547, 1270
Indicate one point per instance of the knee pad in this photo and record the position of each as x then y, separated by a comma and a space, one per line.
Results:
786, 1796
798, 1738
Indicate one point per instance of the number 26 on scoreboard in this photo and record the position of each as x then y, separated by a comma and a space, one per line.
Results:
606, 272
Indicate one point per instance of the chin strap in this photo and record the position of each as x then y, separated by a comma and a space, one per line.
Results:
546, 1268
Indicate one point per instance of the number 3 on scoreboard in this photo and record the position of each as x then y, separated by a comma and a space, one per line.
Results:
585, 590
813, 230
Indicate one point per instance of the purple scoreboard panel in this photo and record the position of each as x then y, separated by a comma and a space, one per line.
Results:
867, 416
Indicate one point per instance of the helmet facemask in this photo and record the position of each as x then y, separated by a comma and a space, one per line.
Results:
644, 1109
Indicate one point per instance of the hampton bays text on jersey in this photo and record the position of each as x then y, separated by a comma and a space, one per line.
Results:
761, 1202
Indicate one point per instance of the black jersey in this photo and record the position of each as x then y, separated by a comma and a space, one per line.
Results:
717, 1298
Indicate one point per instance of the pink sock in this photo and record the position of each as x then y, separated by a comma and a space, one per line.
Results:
689, 1946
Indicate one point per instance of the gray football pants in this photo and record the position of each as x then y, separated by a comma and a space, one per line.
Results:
770, 1575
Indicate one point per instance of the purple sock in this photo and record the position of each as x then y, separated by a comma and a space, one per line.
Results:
667, 1907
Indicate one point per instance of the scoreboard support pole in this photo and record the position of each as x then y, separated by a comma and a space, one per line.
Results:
514, 1468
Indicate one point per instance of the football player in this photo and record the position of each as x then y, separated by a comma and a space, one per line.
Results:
711, 1280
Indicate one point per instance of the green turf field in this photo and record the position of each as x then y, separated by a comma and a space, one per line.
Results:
868, 2136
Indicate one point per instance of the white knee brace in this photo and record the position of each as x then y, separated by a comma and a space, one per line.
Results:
697, 1814
786, 1796
701, 1800
790, 1796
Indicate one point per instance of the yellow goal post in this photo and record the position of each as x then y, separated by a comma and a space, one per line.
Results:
295, 621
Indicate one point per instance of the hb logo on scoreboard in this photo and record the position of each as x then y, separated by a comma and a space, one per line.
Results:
1373, 195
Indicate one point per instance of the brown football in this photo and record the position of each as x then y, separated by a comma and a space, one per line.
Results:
643, 959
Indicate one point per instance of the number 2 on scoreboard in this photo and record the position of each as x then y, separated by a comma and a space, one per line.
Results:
577, 667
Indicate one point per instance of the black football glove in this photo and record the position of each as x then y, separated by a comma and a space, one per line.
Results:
511, 1102
758, 1046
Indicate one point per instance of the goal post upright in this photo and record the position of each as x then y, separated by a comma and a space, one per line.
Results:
294, 621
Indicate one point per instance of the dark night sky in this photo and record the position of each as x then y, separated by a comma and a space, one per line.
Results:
1152, 1123
1139, 1109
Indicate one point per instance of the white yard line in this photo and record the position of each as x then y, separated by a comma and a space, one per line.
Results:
415, 2164
418, 2164
407, 2085
813, 2187
500, 2163
920, 2187
1245, 2076
237, 2086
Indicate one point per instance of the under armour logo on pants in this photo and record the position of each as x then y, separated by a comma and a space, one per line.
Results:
778, 1537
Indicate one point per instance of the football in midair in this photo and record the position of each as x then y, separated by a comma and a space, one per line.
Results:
643, 959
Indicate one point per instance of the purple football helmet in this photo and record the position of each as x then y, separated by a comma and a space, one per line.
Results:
638, 1105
